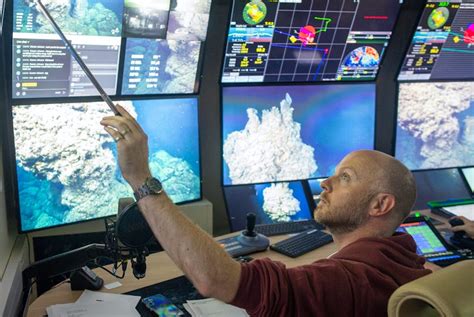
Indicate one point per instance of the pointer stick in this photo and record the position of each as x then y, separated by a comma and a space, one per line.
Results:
78, 58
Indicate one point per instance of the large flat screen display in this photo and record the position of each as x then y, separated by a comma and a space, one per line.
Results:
441, 184
163, 43
66, 162
282, 133
442, 47
271, 203
301, 41
435, 126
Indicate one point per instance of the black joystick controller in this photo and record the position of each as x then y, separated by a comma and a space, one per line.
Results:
457, 222
250, 226
250, 238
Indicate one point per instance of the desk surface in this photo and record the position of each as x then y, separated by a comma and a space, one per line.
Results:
160, 268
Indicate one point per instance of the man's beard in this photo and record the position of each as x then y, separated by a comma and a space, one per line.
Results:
343, 218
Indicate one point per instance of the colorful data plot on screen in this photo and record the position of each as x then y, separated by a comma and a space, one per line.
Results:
43, 67
426, 240
301, 41
435, 126
270, 202
66, 162
282, 133
442, 47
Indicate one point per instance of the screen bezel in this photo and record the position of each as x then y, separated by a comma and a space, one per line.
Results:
221, 108
395, 135
8, 21
226, 194
382, 60
11, 171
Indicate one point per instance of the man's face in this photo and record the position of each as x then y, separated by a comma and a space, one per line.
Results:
346, 195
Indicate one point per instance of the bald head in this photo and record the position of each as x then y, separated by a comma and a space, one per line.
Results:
388, 175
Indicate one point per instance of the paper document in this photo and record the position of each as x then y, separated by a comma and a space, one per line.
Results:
213, 307
97, 304
462, 210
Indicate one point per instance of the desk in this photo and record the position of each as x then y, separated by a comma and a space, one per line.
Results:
160, 268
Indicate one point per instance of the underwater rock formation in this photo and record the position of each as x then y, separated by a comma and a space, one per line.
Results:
269, 149
279, 203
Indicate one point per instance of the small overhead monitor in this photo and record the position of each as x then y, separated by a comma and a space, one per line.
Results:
442, 47
283, 133
304, 41
166, 58
435, 125
441, 184
42, 66
270, 202
66, 163
468, 173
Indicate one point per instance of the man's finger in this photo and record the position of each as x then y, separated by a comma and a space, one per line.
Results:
127, 116
459, 228
120, 124
117, 136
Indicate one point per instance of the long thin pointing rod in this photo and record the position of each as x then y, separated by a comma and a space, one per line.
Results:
78, 58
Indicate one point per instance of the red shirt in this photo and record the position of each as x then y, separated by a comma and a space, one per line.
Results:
356, 281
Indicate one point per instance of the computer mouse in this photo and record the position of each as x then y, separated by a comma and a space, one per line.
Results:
457, 222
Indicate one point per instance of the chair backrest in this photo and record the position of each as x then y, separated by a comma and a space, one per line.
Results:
448, 292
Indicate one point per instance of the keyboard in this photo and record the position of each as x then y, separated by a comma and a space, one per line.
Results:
302, 243
275, 229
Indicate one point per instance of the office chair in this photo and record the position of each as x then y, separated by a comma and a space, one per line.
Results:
448, 292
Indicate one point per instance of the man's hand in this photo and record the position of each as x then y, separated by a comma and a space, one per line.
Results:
468, 227
132, 147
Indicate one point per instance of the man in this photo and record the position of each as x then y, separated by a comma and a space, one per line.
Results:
362, 205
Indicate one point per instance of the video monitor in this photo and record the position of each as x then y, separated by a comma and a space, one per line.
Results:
442, 184
315, 188
66, 162
442, 47
427, 241
283, 133
42, 67
469, 177
164, 46
271, 203
304, 41
161, 54
435, 126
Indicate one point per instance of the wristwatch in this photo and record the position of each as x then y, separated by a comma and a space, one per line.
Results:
152, 186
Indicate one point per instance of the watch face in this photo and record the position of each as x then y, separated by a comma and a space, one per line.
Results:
154, 185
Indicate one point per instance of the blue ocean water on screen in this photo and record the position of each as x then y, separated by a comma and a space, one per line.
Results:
172, 127
335, 119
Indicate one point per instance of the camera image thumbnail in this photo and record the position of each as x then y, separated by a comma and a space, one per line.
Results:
146, 18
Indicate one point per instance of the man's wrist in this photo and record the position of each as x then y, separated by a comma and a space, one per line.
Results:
138, 181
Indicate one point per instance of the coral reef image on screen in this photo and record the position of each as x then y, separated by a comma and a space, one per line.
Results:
66, 162
271, 203
435, 126
282, 133
160, 66
78, 17
188, 20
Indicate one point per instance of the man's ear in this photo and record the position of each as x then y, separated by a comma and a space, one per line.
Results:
381, 204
